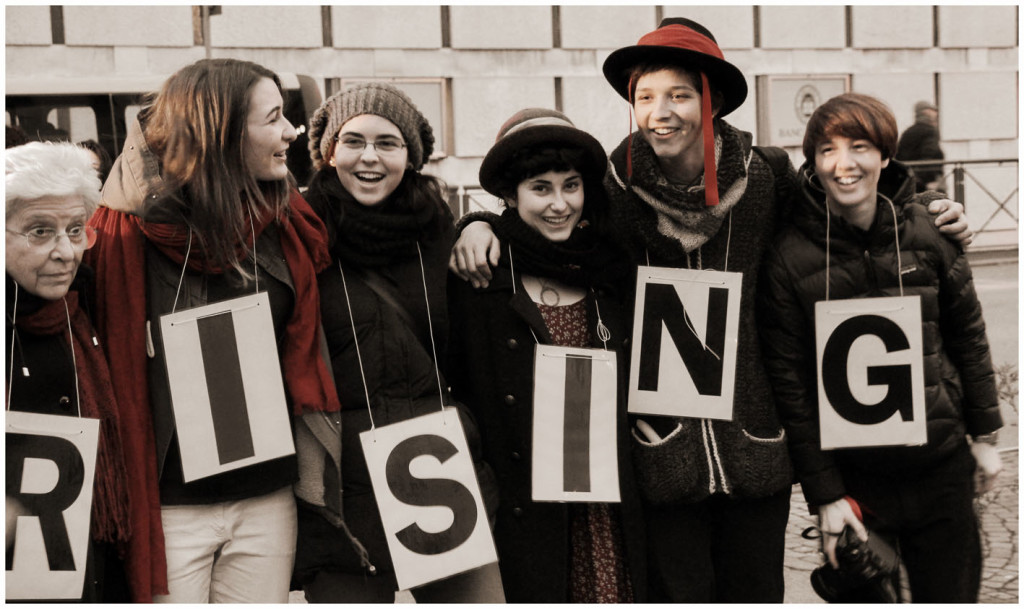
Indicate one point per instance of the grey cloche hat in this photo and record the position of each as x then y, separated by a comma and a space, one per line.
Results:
379, 99
533, 126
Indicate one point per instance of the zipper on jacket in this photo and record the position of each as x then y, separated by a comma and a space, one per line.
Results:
869, 267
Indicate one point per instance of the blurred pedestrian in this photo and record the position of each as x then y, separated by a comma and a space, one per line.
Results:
860, 231
57, 367
200, 208
920, 142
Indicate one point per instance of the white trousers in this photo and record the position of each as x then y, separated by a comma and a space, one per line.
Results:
230, 552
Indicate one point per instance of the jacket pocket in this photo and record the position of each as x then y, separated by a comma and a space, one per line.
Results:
670, 471
762, 466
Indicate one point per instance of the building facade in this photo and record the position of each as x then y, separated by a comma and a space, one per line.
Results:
470, 67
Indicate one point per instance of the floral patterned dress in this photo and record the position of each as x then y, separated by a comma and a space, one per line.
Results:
598, 572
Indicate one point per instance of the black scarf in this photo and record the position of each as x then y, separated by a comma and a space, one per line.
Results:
369, 237
583, 260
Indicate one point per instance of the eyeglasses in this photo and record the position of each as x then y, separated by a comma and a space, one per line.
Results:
358, 144
80, 237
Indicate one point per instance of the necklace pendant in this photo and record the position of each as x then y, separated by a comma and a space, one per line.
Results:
545, 290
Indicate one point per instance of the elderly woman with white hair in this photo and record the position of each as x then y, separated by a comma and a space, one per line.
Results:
55, 364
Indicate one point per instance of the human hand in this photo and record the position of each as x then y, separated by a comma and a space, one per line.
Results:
473, 255
832, 519
990, 463
951, 220
13, 509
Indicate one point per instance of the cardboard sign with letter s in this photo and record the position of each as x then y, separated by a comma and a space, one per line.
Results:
429, 498
870, 372
51, 463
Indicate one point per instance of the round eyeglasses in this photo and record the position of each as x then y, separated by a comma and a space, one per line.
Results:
357, 144
80, 237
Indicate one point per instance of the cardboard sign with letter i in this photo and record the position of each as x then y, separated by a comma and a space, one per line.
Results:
226, 388
575, 455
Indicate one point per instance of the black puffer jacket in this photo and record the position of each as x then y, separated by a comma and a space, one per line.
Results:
959, 384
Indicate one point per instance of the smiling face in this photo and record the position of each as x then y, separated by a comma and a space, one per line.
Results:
267, 133
848, 169
370, 175
551, 203
46, 271
667, 104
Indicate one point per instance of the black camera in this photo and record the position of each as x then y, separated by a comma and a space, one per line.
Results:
868, 572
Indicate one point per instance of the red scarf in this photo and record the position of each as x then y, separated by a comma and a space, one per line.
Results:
120, 263
110, 504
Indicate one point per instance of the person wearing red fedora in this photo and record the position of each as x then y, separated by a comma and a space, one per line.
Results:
560, 282
691, 192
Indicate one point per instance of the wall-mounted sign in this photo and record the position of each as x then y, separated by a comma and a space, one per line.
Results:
786, 102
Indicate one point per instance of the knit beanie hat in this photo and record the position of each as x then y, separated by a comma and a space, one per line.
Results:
379, 99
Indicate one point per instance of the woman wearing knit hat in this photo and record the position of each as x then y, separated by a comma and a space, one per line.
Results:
384, 312
691, 192
560, 282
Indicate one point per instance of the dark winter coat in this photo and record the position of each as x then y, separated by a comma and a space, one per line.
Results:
402, 383
745, 457
491, 371
960, 391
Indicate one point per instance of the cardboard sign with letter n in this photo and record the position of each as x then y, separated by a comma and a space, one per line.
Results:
685, 331
226, 388
429, 498
51, 463
575, 456
870, 372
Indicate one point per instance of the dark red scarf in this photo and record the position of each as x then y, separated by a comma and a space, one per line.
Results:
110, 504
120, 263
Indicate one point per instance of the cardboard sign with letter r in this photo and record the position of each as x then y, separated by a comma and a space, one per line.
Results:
51, 462
575, 455
870, 372
685, 332
226, 389
429, 498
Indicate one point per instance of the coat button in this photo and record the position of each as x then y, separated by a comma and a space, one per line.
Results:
513, 343
517, 511
516, 456
510, 400
65, 401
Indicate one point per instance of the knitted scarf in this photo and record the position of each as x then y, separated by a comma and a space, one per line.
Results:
120, 260
110, 506
583, 260
370, 237
673, 219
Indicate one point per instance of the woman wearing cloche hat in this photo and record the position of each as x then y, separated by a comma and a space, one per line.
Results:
559, 282
384, 311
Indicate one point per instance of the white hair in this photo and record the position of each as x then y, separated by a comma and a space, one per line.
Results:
50, 169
